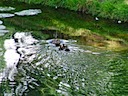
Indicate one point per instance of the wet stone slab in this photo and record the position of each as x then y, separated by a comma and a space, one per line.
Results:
6, 8
6, 15
28, 12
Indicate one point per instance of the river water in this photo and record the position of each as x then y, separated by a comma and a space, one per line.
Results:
32, 66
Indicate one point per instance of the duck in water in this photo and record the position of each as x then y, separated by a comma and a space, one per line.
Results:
64, 47
67, 49
59, 43
56, 42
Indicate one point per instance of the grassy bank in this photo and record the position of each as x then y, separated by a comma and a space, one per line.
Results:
112, 9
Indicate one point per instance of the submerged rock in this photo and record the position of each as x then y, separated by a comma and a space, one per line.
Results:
28, 12
6, 8
6, 15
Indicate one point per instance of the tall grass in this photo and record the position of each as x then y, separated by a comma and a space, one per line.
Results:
112, 9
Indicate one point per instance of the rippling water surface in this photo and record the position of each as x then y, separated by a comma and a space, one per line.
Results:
84, 71
39, 68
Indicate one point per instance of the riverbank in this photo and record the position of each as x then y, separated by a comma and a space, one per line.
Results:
111, 9
102, 33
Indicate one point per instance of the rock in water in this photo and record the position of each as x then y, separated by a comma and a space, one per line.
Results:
6, 15
28, 12
6, 8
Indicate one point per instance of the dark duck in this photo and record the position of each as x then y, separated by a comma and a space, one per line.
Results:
56, 42
64, 47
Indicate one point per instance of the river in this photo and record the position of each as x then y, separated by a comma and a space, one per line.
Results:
32, 66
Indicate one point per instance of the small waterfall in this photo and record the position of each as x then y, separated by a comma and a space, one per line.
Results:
19, 48
24, 56
22, 47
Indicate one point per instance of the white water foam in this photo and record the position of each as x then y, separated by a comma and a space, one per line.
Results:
24, 49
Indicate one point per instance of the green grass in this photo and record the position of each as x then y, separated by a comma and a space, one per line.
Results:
111, 9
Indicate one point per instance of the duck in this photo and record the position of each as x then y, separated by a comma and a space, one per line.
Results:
61, 47
64, 47
56, 42
67, 49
